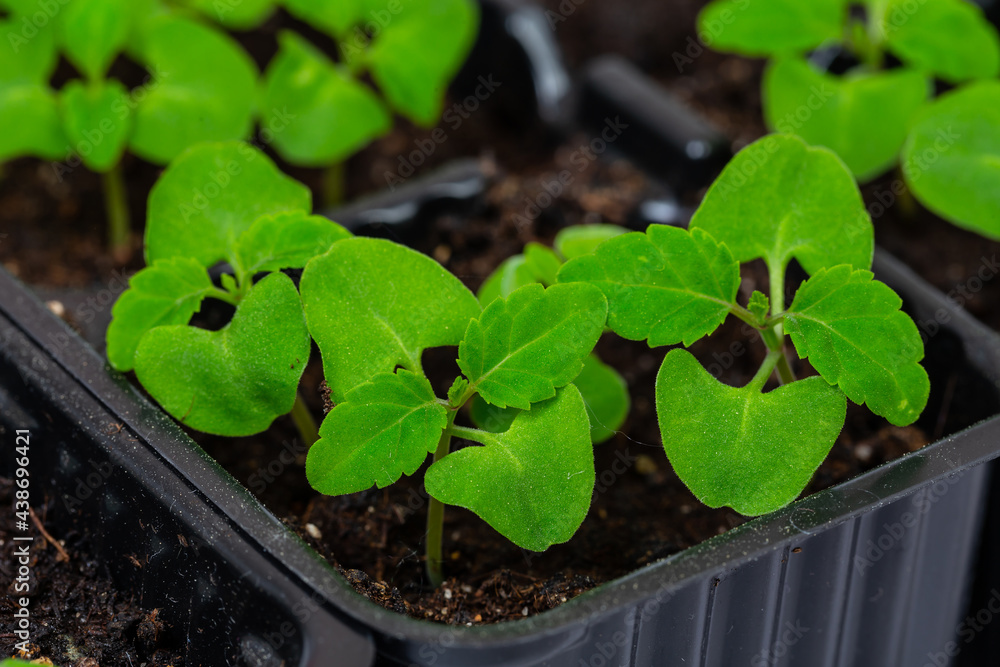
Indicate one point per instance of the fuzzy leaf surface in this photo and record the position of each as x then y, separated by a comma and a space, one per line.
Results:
579, 240
168, 292
668, 285
532, 483
373, 305
962, 182
384, 429
93, 110
779, 199
330, 115
853, 332
863, 117
771, 27
286, 241
184, 222
738, 447
235, 381
526, 346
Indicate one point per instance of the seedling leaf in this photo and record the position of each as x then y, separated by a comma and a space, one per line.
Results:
741, 448
862, 116
93, 32
24, 59
373, 305
853, 332
332, 115
332, 16
604, 393
168, 292
773, 27
96, 109
543, 263
384, 429
235, 381
34, 111
779, 199
210, 195
511, 275
667, 285
286, 241
952, 158
524, 347
242, 15
532, 483
949, 38
578, 240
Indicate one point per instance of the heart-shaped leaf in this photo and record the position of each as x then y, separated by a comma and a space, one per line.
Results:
333, 115
286, 241
767, 27
853, 332
168, 292
579, 240
414, 78
209, 196
604, 393
96, 122
235, 381
949, 38
779, 199
526, 346
738, 447
952, 158
533, 483
373, 305
667, 285
205, 91
384, 429
32, 109
94, 32
863, 117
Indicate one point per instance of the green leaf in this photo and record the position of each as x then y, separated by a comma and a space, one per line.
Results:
513, 274
853, 332
286, 241
373, 305
604, 393
241, 15
738, 447
332, 16
34, 111
413, 77
28, 53
187, 101
332, 115
779, 199
210, 195
526, 346
96, 122
759, 305
952, 158
948, 38
863, 117
168, 292
763, 28
667, 285
94, 32
384, 429
543, 263
581, 240
235, 381
533, 483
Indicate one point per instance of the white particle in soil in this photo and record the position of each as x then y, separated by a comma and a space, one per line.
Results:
447, 593
863, 452
313, 531
524, 612
466, 588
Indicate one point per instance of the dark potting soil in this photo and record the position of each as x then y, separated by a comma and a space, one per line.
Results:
78, 616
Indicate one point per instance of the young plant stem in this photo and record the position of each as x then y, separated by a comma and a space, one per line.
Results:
435, 517
304, 422
760, 379
116, 204
334, 184
775, 342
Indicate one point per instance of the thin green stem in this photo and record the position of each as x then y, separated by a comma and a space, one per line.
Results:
223, 295
764, 372
116, 204
467, 433
304, 421
776, 344
435, 516
334, 184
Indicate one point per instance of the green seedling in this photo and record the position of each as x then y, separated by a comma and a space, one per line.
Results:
223, 202
373, 307
409, 50
604, 391
778, 200
866, 114
93, 120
